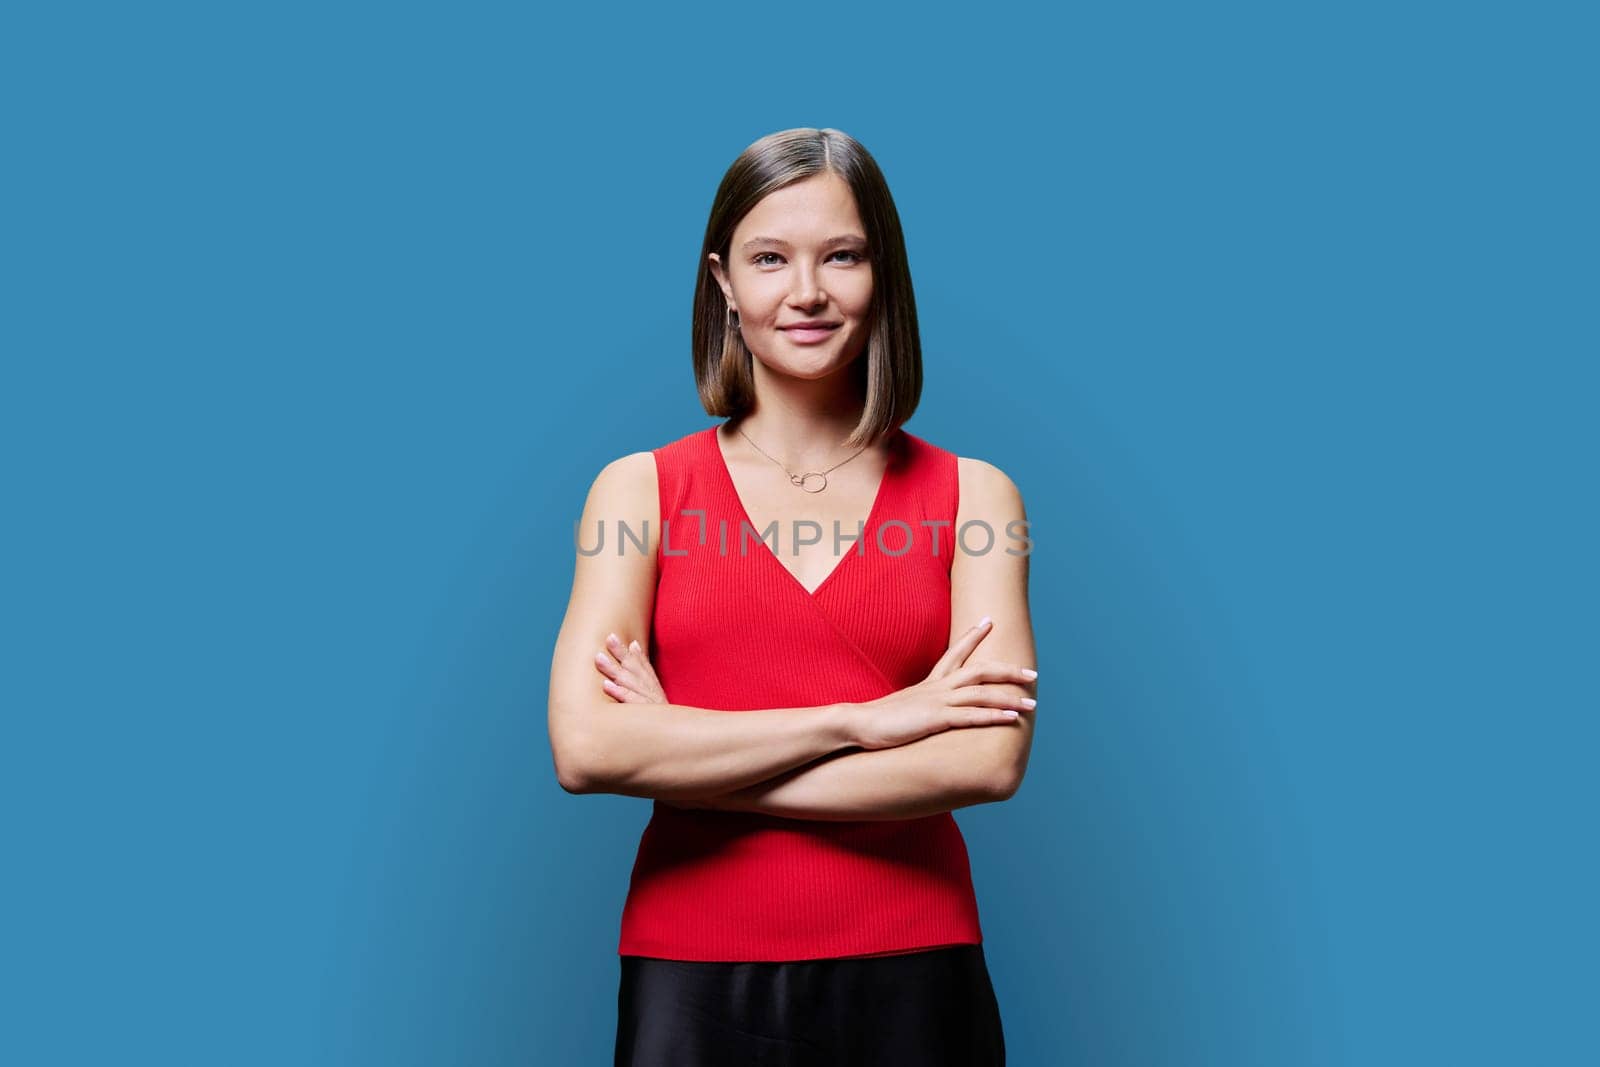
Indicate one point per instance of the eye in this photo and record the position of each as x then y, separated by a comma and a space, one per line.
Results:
761, 259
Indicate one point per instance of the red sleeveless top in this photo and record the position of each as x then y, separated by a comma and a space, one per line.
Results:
735, 632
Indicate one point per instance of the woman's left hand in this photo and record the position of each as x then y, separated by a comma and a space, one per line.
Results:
629, 678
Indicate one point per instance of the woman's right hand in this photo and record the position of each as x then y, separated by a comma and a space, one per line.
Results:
954, 694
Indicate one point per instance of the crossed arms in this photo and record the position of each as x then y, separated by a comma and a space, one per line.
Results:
801, 763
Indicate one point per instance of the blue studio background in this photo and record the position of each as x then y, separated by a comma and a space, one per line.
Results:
318, 320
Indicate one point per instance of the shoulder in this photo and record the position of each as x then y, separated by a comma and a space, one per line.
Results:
622, 497
989, 512
977, 482
631, 469
984, 483
640, 470
624, 486
637, 477
987, 494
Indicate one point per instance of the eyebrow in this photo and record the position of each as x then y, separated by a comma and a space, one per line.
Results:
841, 238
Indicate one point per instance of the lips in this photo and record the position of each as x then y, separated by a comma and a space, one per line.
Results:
808, 335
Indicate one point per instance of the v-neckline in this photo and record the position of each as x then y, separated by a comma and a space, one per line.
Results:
766, 549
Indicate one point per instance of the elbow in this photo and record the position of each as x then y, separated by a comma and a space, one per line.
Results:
997, 783
1001, 775
1012, 771
574, 770
571, 776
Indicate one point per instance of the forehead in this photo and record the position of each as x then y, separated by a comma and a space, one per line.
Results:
814, 208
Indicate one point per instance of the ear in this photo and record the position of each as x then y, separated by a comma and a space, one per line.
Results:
721, 276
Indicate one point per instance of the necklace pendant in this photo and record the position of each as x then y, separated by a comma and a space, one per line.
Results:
802, 481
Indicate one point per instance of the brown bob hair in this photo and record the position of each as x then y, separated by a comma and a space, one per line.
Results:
890, 370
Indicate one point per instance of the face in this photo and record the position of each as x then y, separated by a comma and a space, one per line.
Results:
800, 255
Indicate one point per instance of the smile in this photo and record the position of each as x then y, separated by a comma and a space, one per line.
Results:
809, 335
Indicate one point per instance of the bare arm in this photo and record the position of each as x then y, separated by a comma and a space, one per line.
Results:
664, 751
936, 774
957, 768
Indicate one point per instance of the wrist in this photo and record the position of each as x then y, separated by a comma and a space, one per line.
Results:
840, 724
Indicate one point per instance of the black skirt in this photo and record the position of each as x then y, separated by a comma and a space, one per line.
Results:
926, 1009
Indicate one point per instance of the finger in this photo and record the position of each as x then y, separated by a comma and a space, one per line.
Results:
615, 646
640, 674
636, 660
991, 696
649, 685
962, 648
641, 663
984, 717
616, 671
993, 671
622, 693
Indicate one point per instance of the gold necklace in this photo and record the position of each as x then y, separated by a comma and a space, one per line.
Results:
802, 479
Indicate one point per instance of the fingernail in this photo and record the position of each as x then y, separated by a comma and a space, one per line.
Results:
635, 647
1029, 673
1010, 714
985, 621
1029, 702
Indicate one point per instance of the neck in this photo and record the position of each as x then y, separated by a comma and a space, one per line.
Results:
804, 421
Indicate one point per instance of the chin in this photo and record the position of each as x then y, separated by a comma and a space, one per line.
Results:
807, 361
798, 365
804, 371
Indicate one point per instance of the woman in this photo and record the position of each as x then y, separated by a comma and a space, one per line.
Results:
802, 893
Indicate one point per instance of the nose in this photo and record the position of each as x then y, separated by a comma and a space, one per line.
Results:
807, 291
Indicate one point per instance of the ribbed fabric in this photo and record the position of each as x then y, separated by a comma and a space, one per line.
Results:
736, 631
